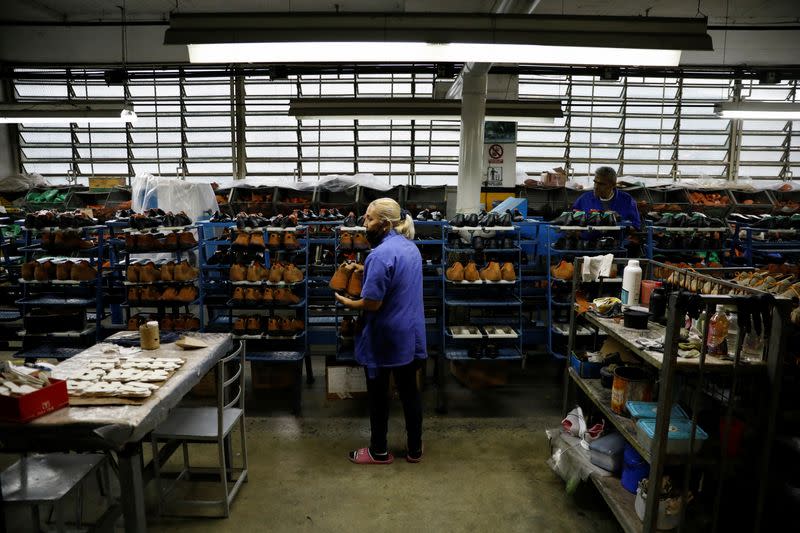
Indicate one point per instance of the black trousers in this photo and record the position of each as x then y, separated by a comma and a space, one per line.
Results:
405, 378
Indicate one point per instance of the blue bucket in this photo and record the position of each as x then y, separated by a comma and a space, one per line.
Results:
634, 469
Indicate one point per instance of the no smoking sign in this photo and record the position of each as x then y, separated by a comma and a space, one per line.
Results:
496, 152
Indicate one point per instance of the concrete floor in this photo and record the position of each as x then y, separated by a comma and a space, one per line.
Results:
484, 466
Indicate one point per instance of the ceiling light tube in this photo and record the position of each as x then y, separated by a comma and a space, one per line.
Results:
84, 111
750, 109
527, 111
435, 37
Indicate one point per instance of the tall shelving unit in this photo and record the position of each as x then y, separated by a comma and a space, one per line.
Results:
60, 295
751, 247
500, 304
120, 249
653, 249
219, 310
558, 290
701, 378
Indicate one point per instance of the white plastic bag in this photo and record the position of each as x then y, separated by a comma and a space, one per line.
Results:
170, 194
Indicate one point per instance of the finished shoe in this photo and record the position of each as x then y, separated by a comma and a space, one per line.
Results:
563, 270
276, 273
64, 271
491, 272
242, 240
292, 274
187, 294
507, 272
148, 273
237, 273
257, 272
285, 296
83, 271
458, 221
360, 242
240, 325
274, 239
28, 270
171, 241
186, 240
170, 294
252, 296
455, 272
354, 283
185, 272
266, 295
471, 272
253, 325
273, 326
346, 241
256, 241
290, 241
340, 278
168, 271
563, 219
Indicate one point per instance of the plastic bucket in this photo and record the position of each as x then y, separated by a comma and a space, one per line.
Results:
630, 383
634, 469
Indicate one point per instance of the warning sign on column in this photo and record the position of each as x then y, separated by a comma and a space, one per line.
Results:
494, 177
496, 154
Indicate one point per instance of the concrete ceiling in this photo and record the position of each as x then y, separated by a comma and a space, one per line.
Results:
739, 12
40, 31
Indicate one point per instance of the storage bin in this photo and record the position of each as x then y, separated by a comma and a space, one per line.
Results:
785, 202
649, 409
701, 201
634, 469
606, 452
585, 369
669, 198
752, 202
678, 435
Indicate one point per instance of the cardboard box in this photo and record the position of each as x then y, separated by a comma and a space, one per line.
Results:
345, 381
106, 182
480, 374
36, 404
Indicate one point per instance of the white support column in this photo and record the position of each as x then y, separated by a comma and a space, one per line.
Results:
470, 153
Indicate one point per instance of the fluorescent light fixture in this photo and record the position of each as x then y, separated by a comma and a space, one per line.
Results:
83, 111
435, 37
750, 109
527, 111
410, 52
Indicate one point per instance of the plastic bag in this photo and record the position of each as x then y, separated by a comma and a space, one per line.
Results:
22, 182
195, 199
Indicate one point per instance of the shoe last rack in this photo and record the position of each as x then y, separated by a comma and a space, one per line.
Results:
482, 320
56, 298
767, 241
123, 258
656, 233
714, 389
558, 290
218, 310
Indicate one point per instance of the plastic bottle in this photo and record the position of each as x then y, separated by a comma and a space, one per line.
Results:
631, 283
717, 341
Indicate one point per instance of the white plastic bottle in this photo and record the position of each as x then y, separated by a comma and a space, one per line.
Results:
631, 283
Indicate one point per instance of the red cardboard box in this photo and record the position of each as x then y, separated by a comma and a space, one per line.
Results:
36, 404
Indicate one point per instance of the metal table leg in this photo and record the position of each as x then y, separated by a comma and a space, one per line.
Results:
132, 487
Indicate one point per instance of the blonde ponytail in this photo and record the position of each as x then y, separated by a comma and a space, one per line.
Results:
400, 219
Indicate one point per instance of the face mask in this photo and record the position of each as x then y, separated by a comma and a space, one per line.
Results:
375, 237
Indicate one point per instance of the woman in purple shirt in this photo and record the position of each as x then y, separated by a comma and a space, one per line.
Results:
392, 341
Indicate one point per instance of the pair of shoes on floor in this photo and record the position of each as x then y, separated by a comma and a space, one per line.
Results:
363, 456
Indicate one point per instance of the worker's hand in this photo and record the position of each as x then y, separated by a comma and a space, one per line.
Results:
344, 300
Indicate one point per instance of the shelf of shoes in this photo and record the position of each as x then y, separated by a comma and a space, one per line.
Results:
155, 270
777, 235
347, 279
485, 301
63, 279
575, 233
249, 264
